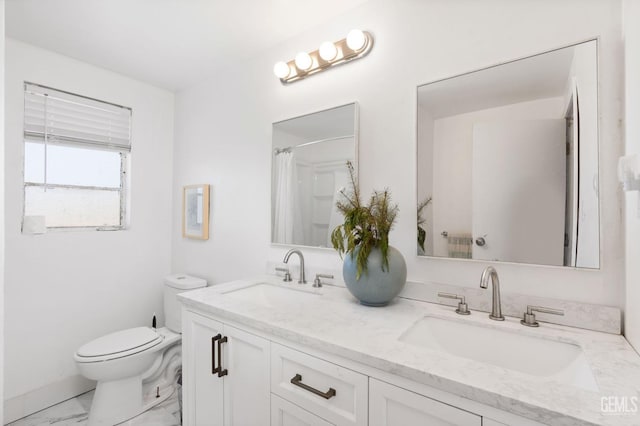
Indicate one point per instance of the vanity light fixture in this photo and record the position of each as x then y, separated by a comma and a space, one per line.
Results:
303, 61
328, 51
356, 45
281, 69
356, 39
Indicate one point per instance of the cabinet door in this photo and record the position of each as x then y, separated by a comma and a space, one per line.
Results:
246, 385
284, 413
202, 390
391, 406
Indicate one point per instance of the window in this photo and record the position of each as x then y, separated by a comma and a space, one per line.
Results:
76, 153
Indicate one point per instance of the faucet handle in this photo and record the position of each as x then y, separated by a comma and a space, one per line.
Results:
529, 318
317, 283
463, 309
287, 275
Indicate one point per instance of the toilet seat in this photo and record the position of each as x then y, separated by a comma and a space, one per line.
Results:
119, 344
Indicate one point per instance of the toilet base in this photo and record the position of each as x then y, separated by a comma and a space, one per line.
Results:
117, 401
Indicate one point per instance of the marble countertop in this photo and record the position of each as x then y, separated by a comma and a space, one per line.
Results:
336, 323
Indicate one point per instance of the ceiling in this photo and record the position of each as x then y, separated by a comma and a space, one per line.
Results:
536, 77
168, 43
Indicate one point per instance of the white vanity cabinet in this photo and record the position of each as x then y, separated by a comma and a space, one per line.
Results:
234, 377
334, 393
391, 405
284, 413
225, 374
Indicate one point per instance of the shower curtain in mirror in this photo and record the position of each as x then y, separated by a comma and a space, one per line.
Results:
287, 226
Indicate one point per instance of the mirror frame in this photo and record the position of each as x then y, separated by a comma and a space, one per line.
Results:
598, 145
356, 165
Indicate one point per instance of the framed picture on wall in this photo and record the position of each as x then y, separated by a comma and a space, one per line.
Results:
195, 212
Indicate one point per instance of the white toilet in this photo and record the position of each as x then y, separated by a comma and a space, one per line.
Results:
136, 368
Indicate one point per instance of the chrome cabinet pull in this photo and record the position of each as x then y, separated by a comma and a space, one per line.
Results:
221, 372
214, 339
297, 381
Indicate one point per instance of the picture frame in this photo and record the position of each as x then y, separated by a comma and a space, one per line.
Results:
195, 212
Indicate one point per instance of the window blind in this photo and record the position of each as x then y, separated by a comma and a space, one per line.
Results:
53, 116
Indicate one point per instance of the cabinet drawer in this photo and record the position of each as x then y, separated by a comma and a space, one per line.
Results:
314, 381
284, 413
391, 406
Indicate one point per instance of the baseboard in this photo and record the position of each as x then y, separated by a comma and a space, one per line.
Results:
31, 402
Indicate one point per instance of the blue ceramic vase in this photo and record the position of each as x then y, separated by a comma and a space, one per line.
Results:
375, 286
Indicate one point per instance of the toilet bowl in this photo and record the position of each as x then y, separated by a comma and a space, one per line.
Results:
136, 368
119, 362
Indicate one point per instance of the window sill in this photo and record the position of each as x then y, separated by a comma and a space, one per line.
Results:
79, 229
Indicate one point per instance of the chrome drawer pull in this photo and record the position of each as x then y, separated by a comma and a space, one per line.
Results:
297, 381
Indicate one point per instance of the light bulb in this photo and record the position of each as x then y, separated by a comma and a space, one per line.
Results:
281, 69
328, 51
303, 61
356, 40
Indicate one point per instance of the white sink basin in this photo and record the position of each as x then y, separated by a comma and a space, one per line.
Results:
538, 357
271, 295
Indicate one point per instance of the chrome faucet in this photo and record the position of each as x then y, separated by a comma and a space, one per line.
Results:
302, 279
496, 307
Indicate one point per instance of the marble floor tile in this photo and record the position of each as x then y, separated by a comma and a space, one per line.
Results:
166, 413
75, 412
69, 412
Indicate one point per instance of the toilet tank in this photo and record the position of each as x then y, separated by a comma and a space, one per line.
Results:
174, 285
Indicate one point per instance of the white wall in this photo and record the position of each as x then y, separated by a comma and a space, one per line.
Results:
2, 256
65, 288
228, 143
632, 126
453, 151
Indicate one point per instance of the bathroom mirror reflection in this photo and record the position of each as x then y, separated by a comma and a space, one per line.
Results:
309, 160
507, 162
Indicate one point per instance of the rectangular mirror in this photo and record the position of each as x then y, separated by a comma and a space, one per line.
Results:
507, 162
309, 159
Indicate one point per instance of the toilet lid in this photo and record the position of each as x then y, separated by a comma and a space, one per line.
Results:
120, 341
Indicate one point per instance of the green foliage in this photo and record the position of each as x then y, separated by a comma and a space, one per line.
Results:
422, 234
365, 227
